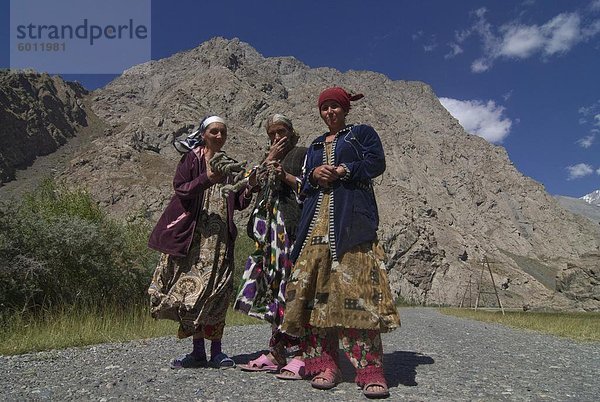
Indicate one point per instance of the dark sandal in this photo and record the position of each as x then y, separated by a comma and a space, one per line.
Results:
188, 361
222, 361
329, 379
384, 393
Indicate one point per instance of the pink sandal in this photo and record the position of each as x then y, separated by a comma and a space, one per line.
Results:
295, 367
263, 363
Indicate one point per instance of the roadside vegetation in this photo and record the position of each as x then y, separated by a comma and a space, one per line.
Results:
80, 326
578, 326
72, 276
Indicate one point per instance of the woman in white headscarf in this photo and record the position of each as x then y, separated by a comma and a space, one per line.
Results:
193, 281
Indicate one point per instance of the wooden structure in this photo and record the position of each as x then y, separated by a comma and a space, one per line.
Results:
485, 263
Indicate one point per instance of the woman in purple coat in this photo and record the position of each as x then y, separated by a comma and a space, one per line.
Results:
193, 281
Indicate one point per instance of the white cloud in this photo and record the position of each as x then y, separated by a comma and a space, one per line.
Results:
562, 33
488, 39
591, 30
417, 35
514, 40
590, 110
430, 47
455, 47
480, 65
598, 171
595, 6
587, 141
507, 95
429, 42
461, 36
480, 12
591, 114
520, 41
558, 35
578, 171
486, 120
455, 50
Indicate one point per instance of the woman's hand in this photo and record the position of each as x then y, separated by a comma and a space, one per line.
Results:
325, 174
277, 169
252, 179
214, 177
278, 149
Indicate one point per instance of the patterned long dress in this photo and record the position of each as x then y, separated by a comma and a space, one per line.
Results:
272, 226
262, 294
195, 290
353, 292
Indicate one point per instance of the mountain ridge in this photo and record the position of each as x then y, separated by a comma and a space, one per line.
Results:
39, 113
447, 200
592, 198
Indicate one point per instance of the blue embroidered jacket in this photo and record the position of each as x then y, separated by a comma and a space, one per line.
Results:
352, 210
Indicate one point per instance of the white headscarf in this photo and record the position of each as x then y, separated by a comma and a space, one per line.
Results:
195, 138
208, 121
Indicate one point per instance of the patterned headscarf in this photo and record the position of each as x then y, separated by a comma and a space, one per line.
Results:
281, 119
195, 139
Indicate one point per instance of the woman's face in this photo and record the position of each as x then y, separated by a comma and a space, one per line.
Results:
215, 136
333, 115
278, 131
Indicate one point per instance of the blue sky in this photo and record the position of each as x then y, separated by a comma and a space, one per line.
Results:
522, 74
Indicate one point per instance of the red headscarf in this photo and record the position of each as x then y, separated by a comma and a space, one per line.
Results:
340, 96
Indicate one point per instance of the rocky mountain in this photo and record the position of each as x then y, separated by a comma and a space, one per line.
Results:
580, 207
447, 199
38, 114
592, 198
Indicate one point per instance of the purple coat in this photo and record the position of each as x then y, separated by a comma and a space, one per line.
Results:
175, 228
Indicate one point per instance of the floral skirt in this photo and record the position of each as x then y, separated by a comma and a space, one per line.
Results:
196, 290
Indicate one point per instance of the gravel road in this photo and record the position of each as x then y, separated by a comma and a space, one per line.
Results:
433, 357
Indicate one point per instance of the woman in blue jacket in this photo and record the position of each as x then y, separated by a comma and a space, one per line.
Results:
339, 290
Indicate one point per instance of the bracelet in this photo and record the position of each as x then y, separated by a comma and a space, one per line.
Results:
346, 176
316, 187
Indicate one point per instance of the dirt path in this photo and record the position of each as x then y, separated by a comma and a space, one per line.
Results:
433, 357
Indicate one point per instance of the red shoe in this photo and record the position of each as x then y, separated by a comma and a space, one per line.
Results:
383, 393
327, 379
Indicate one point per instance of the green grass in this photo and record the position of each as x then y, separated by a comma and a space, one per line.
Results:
244, 246
578, 326
60, 252
84, 326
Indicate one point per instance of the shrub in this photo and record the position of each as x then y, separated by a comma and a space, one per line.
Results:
58, 247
